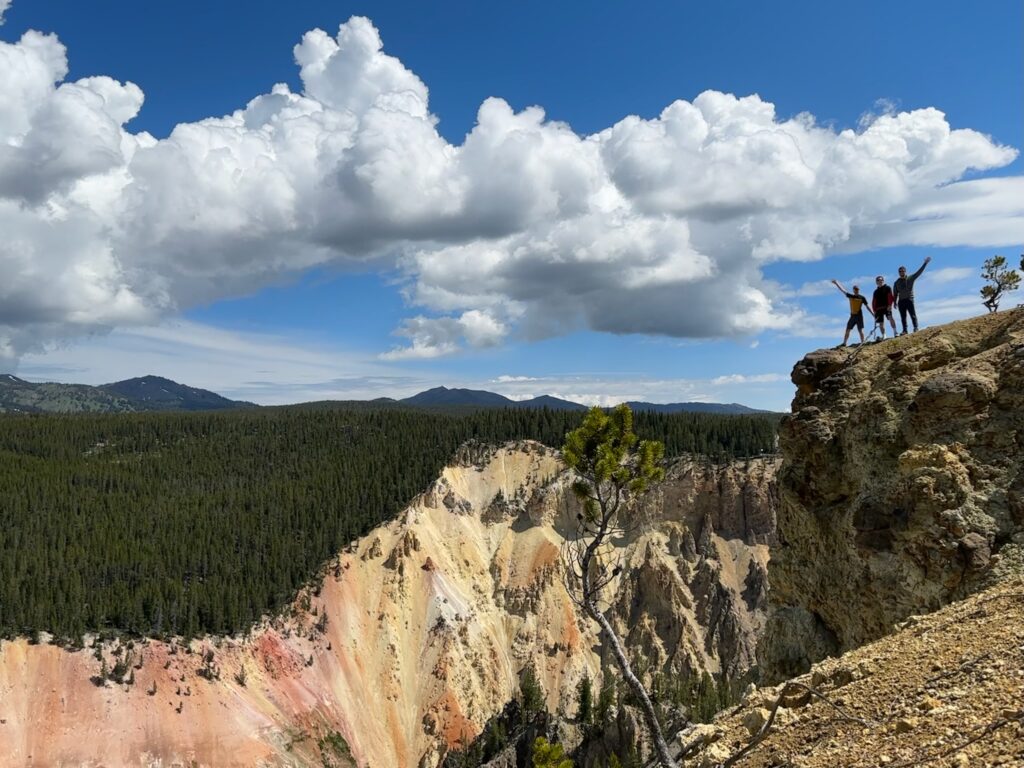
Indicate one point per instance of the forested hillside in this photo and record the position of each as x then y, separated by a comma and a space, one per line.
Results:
147, 393
179, 523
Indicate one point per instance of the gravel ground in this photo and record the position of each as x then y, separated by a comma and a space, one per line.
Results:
944, 690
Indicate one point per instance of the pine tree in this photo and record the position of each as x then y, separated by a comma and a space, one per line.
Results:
613, 467
1000, 280
531, 695
585, 702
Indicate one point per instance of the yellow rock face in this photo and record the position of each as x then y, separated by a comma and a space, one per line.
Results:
429, 621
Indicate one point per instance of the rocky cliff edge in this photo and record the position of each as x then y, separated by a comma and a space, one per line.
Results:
902, 486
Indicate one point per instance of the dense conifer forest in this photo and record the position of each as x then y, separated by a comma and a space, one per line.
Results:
183, 524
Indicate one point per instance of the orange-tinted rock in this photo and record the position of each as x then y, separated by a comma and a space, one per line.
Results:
411, 661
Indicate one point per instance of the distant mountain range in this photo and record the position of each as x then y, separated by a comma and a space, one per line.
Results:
147, 393
159, 394
154, 393
443, 396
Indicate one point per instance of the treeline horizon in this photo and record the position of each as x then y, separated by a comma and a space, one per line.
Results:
185, 524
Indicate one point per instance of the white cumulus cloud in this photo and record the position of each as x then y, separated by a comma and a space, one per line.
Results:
951, 274
656, 226
757, 378
435, 337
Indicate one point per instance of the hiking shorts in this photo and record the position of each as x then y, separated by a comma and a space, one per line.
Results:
881, 314
855, 321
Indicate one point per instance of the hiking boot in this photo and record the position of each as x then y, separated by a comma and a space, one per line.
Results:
905, 333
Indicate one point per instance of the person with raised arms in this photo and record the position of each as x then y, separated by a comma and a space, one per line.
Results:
904, 290
857, 304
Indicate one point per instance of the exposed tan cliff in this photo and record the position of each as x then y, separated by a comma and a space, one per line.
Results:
902, 487
418, 633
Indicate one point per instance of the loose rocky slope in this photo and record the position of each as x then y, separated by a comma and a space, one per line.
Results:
947, 690
417, 634
902, 488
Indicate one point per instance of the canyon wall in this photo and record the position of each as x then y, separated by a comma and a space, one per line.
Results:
902, 486
417, 634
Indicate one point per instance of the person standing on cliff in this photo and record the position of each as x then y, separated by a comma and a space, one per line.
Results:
881, 305
857, 304
904, 290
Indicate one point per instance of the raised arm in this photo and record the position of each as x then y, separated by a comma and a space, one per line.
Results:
839, 287
918, 273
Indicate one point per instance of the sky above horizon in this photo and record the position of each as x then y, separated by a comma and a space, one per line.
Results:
347, 200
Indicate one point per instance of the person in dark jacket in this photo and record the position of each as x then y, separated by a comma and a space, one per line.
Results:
881, 305
903, 288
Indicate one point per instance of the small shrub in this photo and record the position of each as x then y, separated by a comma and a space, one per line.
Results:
547, 755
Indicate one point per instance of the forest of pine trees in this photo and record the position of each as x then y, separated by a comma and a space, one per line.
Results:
190, 523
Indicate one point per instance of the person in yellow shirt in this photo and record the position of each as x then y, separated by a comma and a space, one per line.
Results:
857, 304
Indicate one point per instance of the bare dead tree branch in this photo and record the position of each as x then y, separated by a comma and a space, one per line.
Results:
765, 729
969, 664
898, 704
692, 747
982, 733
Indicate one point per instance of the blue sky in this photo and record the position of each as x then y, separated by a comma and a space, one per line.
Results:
579, 254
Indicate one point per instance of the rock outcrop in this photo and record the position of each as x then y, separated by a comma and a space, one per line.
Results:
417, 634
902, 486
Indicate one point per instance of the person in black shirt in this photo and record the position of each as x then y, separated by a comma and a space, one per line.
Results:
904, 290
881, 305
857, 304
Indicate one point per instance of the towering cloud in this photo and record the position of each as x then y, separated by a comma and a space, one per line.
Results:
656, 226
